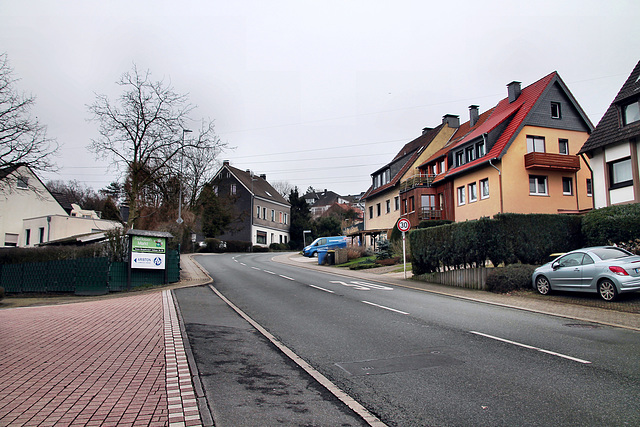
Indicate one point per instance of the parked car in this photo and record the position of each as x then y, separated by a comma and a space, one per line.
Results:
607, 270
323, 244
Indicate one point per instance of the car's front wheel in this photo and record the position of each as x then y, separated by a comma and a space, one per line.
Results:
542, 285
607, 290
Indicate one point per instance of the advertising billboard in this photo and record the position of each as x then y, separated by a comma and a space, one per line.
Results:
148, 252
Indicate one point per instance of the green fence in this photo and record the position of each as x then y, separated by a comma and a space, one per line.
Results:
83, 276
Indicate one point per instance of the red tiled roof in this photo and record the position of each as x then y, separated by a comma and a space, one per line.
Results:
515, 112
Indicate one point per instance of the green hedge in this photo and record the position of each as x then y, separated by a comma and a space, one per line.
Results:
510, 278
615, 224
505, 239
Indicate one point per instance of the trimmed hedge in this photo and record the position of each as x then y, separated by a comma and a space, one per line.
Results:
510, 278
614, 224
505, 239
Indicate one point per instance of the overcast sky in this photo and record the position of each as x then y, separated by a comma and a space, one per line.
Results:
316, 93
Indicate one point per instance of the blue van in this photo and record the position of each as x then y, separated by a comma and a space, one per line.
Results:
324, 244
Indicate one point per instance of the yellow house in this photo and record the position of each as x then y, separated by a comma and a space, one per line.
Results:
521, 158
382, 200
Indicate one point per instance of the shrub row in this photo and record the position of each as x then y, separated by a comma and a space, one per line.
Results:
615, 224
510, 278
505, 239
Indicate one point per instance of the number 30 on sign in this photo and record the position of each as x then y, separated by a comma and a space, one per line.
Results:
403, 224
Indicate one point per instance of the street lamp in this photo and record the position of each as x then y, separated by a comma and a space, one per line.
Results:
180, 220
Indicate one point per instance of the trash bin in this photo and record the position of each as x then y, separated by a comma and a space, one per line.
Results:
331, 258
322, 254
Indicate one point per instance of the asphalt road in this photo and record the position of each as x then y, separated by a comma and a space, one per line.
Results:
410, 357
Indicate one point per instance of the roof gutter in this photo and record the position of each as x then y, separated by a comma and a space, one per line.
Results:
484, 136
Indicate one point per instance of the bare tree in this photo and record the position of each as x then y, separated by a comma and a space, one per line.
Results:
144, 132
23, 140
283, 187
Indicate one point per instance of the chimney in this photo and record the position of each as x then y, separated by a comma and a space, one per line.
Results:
513, 89
263, 176
451, 120
225, 163
425, 130
473, 115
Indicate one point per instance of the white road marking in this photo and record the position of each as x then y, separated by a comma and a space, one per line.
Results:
270, 272
242, 263
358, 287
286, 277
322, 289
386, 308
530, 347
367, 416
255, 268
373, 286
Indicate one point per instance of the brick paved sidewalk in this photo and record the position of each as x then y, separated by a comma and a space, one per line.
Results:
110, 362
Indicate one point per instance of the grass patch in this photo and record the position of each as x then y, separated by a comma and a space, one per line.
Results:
365, 259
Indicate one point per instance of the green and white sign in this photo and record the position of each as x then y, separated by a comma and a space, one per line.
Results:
148, 252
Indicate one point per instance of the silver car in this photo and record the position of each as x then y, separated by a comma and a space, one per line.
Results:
607, 270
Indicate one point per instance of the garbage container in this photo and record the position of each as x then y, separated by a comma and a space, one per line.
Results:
322, 254
331, 258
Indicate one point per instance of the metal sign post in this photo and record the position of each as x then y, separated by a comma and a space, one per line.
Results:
404, 225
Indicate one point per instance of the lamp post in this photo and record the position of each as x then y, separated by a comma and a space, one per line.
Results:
180, 220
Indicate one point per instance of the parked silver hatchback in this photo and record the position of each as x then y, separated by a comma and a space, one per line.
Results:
607, 270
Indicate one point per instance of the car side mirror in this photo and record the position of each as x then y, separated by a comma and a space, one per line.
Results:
555, 266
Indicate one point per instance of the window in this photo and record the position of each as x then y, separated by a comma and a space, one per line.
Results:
537, 185
370, 212
469, 154
41, 235
264, 213
459, 158
273, 215
631, 113
442, 166
233, 189
473, 192
258, 212
412, 204
286, 219
388, 205
480, 151
396, 201
280, 219
589, 187
378, 209
620, 173
27, 237
563, 146
10, 239
484, 188
567, 186
461, 196
261, 238
215, 190
405, 206
555, 110
535, 144
22, 182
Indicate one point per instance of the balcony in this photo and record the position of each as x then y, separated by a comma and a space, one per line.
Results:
551, 161
421, 180
429, 213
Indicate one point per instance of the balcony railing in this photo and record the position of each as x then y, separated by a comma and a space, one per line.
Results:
421, 180
551, 161
430, 213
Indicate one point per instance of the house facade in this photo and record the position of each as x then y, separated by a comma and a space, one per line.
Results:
260, 214
30, 215
520, 156
613, 148
382, 204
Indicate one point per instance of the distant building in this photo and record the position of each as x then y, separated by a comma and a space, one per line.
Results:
261, 215
613, 148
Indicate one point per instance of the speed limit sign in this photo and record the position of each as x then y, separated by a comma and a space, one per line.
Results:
403, 224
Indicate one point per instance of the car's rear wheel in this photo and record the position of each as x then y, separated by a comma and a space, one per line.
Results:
607, 290
542, 285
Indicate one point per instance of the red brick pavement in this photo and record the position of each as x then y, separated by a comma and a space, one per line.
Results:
90, 363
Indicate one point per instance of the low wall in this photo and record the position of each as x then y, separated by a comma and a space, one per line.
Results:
470, 278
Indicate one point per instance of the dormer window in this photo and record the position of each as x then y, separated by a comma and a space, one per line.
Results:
631, 113
555, 110
22, 182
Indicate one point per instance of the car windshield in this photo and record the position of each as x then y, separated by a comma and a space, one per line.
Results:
610, 253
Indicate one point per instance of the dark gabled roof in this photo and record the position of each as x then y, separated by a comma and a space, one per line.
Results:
326, 198
408, 154
256, 183
610, 130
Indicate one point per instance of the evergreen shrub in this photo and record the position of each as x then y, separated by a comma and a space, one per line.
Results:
614, 224
510, 278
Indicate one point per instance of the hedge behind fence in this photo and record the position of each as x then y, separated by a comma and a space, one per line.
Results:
615, 224
507, 238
